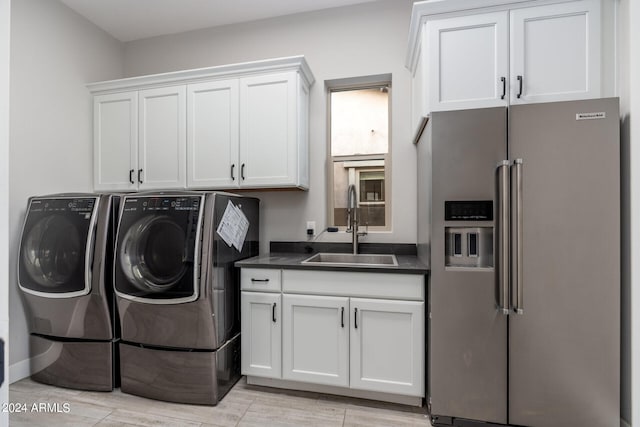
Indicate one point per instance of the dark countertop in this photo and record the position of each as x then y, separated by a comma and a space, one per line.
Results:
407, 264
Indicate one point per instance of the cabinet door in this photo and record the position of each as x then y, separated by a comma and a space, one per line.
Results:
467, 61
261, 334
162, 142
555, 52
315, 339
212, 134
268, 152
115, 135
387, 346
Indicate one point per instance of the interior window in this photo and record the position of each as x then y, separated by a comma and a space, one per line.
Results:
359, 153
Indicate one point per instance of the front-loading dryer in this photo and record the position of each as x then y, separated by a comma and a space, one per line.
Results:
178, 292
64, 273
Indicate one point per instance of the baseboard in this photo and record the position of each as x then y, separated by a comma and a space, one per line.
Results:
19, 370
341, 391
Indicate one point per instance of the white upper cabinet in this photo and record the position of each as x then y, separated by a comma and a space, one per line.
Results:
555, 52
467, 64
474, 54
268, 132
115, 135
227, 127
213, 134
162, 141
139, 140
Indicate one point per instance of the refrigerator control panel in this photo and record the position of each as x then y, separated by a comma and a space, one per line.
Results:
469, 210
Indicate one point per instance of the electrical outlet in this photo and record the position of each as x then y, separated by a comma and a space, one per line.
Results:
311, 228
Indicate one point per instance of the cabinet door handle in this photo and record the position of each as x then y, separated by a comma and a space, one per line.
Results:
273, 312
131, 171
504, 87
259, 280
519, 87
342, 316
233, 166
242, 171
355, 317
140, 176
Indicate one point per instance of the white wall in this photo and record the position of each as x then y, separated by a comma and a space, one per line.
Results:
633, 91
339, 43
54, 53
628, 49
5, 14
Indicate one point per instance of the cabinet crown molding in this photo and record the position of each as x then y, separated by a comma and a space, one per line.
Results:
297, 63
433, 9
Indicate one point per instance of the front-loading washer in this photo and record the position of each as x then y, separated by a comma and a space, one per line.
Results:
64, 273
178, 292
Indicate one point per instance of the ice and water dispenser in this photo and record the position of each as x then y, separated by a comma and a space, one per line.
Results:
469, 244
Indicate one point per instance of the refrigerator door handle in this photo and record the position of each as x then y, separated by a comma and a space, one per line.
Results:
502, 236
516, 237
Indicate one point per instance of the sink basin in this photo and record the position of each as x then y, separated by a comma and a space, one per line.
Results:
346, 260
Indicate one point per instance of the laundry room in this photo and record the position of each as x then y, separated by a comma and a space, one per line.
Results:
218, 258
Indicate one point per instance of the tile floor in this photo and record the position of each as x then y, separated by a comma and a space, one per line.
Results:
245, 405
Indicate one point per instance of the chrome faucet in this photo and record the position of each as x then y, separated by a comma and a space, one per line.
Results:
352, 217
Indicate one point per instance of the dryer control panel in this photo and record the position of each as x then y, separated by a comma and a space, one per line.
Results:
162, 204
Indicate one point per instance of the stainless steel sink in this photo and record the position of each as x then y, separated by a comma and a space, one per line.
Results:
346, 260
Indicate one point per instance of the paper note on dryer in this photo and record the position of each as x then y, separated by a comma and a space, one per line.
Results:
233, 226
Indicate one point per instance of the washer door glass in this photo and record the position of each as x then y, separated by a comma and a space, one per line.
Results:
53, 249
53, 252
153, 255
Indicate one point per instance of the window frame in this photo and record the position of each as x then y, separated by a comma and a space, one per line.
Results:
366, 169
370, 82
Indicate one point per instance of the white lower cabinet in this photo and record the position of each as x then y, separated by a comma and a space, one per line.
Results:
335, 332
261, 334
315, 339
387, 346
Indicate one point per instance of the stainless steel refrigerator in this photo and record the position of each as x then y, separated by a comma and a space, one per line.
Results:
524, 249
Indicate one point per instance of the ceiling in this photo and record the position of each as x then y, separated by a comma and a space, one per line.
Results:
128, 20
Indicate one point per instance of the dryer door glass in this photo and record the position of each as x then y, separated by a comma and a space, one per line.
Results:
53, 249
156, 245
154, 255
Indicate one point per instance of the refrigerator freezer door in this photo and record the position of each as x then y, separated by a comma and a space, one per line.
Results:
564, 348
467, 337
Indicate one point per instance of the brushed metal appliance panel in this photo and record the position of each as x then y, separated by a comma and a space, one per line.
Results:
214, 318
88, 316
81, 365
564, 349
467, 337
199, 377
423, 151
188, 326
